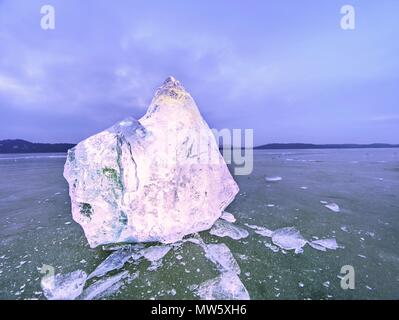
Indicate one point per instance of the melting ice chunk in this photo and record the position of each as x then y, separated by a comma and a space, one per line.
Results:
324, 244
224, 229
333, 207
64, 287
289, 239
228, 217
104, 287
221, 255
227, 286
273, 179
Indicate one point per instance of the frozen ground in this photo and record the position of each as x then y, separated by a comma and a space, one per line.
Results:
37, 233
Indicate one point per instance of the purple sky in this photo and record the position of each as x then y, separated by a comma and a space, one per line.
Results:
282, 67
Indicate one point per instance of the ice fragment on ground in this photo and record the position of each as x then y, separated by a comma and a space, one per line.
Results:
333, 207
288, 238
324, 244
100, 288
155, 253
228, 217
114, 261
223, 228
221, 255
64, 287
273, 179
271, 247
227, 286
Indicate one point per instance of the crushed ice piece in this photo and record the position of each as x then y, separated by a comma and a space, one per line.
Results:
273, 179
127, 246
221, 255
264, 232
228, 217
223, 228
370, 234
100, 288
272, 247
362, 256
333, 207
227, 286
64, 287
260, 230
323, 202
288, 238
67, 223
344, 228
114, 261
324, 244
155, 253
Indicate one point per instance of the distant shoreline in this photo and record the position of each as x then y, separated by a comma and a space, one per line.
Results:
22, 146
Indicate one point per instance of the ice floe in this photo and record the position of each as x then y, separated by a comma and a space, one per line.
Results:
64, 287
223, 228
226, 286
228, 217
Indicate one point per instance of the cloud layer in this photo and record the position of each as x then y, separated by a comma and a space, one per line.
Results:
284, 68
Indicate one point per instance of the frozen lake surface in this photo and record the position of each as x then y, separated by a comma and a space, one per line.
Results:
349, 195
